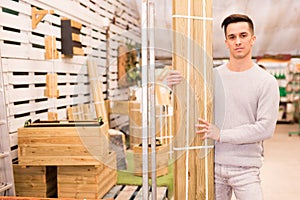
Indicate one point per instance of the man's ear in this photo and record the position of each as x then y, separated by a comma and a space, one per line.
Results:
226, 44
253, 39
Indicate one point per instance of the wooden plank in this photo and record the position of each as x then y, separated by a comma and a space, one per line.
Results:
162, 161
87, 181
127, 192
36, 106
23, 65
14, 36
139, 194
24, 94
162, 193
67, 145
47, 28
191, 67
113, 192
97, 93
19, 6
81, 15
9, 20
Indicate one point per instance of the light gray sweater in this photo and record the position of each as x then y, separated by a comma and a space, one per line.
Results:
246, 109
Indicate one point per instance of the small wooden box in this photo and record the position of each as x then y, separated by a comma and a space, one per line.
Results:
35, 181
90, 182
77, 145
162, 160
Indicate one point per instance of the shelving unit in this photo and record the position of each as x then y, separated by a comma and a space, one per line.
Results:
293, 91
279, 69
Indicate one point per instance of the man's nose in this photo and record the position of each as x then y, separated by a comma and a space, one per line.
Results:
237, 41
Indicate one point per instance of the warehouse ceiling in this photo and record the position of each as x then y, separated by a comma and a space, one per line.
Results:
277, 24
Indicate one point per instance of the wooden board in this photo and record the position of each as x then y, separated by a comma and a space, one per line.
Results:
190, 169
118, 107
62, 145
96, 90
162, 161
91, 182
122, 58
126, 192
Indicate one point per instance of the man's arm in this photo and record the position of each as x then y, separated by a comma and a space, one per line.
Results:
262, 128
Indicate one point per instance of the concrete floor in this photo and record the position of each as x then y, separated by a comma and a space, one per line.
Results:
280, 173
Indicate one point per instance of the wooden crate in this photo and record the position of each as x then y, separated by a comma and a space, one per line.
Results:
90, 182
162, 160
35, 181
163, 129
62, 145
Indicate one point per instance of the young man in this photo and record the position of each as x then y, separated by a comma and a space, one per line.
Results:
246, 106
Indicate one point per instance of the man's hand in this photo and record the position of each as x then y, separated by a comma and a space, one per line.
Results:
174, 77
209, 130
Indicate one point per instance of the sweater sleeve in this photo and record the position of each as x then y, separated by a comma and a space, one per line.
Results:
264, 126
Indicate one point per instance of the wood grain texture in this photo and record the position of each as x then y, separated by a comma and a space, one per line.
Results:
23, 50
62, 145
196, 67
91, 182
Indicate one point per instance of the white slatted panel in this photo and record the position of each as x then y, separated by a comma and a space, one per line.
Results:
24, 67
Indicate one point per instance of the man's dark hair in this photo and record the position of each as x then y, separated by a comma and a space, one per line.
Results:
234, 18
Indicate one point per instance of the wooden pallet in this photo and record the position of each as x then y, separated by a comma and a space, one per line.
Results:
126, 192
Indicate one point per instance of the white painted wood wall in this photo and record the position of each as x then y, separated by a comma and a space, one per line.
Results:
24, 66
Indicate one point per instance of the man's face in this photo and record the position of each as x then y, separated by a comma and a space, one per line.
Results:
239, 39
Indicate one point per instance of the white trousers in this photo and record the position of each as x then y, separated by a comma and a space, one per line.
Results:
244, 182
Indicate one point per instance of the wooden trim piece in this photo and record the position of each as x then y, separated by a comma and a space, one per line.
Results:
50, 47
38, 15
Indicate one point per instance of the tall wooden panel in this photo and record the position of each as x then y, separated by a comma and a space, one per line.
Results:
192, 56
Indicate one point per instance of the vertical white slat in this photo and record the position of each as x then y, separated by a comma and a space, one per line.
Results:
151, 96
144, 106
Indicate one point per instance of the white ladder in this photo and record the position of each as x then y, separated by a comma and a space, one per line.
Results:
7, 187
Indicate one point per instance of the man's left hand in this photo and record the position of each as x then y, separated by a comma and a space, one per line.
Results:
209, 130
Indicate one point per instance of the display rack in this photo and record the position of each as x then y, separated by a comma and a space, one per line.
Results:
279, 69
293, 91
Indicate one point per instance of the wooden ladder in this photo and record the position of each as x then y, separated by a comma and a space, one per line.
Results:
7, 187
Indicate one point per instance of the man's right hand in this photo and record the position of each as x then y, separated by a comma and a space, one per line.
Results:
173, 78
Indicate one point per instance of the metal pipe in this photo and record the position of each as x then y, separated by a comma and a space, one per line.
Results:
144, 103
151, 98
